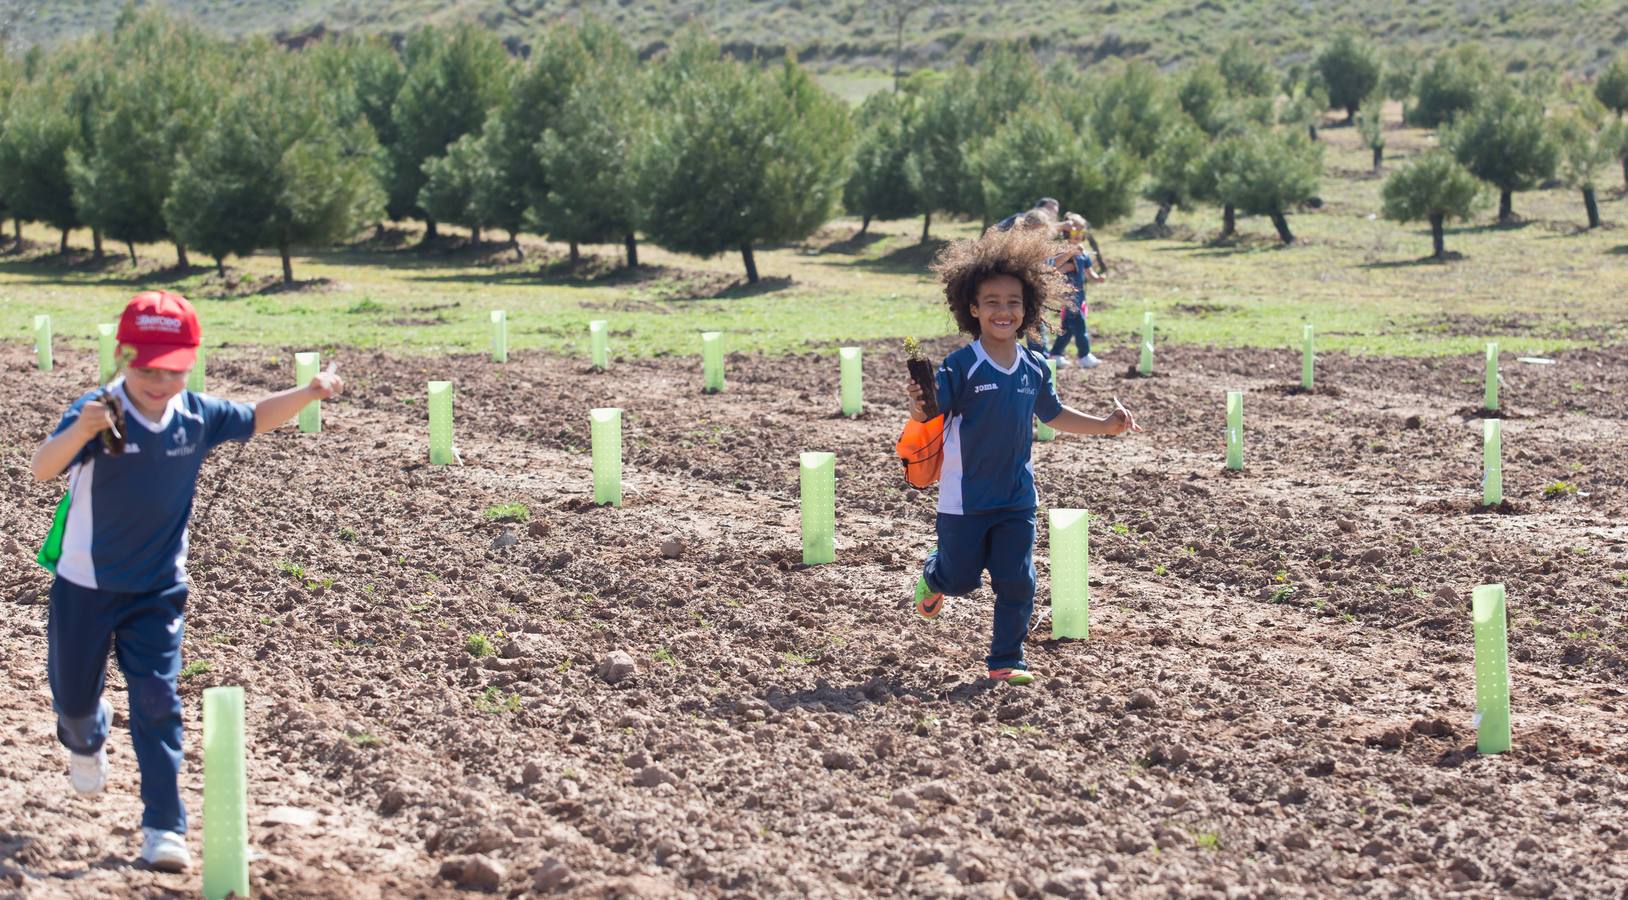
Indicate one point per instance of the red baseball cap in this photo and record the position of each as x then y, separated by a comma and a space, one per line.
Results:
162, 328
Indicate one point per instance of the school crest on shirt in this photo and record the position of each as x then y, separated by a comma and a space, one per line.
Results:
178, 443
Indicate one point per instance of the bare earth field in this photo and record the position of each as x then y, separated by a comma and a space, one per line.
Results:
1276, 699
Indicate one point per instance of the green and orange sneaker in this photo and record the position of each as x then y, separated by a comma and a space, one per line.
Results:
1012, 676
929, 603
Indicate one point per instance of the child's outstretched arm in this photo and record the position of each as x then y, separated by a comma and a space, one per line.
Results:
1075, 422
58, 452
273, 411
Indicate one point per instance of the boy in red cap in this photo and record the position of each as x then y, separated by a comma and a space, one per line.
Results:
121, 574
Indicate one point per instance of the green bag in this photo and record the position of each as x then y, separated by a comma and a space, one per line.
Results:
51, 550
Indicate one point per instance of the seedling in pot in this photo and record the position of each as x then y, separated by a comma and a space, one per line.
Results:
921, 372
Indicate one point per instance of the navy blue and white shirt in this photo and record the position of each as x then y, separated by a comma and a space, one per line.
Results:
127, 522
988, 429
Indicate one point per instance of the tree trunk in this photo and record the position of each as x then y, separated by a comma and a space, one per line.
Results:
751, 263
17, 224
632, 245
514, 244
1229, 222
926, 225
1506, 207
576, 254
1281, 223
132, 246
220, 267
1592, 207
181, 260
1436, 236
430, 233
1163, 215
1624, 187
378, 231
474, 235
1379, 159
64, 249
288, 262
1312, 130
1350, 115
96, 242
865, 225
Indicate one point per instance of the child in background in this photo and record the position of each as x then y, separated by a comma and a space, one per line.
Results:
997, 286
1077, 268
121, 577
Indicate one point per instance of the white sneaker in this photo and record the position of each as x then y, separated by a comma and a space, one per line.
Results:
1089, 361
1062, 360
88, 771
165, 851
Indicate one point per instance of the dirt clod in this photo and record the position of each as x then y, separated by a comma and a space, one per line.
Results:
615, 666
475, 873
672, 548
550, 875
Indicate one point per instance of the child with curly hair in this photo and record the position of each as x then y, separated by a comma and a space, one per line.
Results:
997, 286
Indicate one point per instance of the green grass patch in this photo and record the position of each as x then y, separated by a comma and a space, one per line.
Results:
508, 512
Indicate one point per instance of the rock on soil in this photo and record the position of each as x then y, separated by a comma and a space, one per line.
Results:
615, 666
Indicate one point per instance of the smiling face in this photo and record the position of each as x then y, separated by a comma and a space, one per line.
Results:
999, 308
151, 389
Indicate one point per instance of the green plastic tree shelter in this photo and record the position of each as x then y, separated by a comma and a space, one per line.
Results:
1492, 463
712, 362
1042, 431
305, 369
440, 404
1235, 430
1491, 669
599, 344
226, 816
42, 342
500, 336
1070, 545
607, 448
1308, 362
1145, 366
853, 380
818, 487
1490, 400
195, 376
106, 343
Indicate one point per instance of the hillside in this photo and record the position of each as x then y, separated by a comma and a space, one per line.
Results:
1574, 35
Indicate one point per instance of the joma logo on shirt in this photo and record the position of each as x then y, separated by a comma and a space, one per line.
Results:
979, 389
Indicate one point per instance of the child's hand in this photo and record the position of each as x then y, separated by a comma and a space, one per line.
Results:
95, 417
327, 384
1121, 421
918, 406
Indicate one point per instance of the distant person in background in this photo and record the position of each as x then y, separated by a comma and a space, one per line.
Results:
1045, 204
1077, 268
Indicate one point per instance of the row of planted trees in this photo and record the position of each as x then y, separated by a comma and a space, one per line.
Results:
159, 132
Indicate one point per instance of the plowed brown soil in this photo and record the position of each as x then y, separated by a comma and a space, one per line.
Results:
1276, 699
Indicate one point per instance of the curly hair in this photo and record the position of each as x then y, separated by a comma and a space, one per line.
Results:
1023, 254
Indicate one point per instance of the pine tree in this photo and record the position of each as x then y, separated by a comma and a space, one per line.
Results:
1172, 171
276, 167
366, 74
1351, 70
1132, 110
454, 79
1371, 125
1434, 187
1037, 153
1586, 144
150, 110
1504, 141
1270, 173
938, 169
1450, 86
1246, 71
39, 131
879, 186
739, 156
1611, 89
585, 155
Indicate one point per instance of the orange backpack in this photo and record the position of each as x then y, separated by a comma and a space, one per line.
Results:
921, 449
